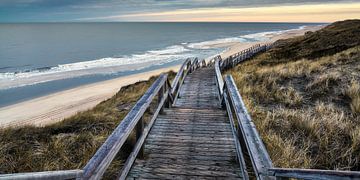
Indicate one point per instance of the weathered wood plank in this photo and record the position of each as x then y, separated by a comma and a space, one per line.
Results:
167, 160
314, 174
197, 168
186, 170
141, 175
153, 176
179, 144
214, 134
195, 157
184, 132
185, 129
190, 147
56, 175
207, 141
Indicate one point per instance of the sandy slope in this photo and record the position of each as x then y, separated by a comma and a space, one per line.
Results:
55, 107
234, 48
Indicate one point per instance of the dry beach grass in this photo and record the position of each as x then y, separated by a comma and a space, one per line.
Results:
306, 108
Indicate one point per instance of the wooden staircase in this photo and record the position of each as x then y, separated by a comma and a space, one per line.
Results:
193, 139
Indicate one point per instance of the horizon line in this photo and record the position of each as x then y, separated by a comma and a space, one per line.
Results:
289, 22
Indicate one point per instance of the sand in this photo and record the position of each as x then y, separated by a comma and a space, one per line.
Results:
57, 106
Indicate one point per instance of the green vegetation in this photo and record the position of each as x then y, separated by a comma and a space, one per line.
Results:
304, 97
71, 143
334, 38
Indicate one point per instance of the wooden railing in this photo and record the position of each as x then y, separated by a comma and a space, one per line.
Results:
196, 64
242, 127
312, 174
246, 130
134, 121
98, 164
67, 174
161, 87
243, 55
247, 138
219, 79
179, 78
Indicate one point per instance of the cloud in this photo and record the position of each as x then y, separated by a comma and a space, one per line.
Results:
43, 10
285, 13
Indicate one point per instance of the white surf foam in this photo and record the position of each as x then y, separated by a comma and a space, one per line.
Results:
254, 37
111, 65
99, 66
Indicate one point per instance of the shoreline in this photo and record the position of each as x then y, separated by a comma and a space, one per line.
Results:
57, 106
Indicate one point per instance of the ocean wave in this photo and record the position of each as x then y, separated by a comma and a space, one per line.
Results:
110, 65
210, 44
253, 37
149, 56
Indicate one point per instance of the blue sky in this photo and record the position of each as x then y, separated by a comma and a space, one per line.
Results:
175, 10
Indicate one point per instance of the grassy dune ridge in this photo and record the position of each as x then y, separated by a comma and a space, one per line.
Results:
304, 98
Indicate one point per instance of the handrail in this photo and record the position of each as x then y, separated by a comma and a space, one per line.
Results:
203, 63
258, 154
313, 174
243, 55
139, 145
67, 174
219, 79
223, 98
235, 132
97, 165
194, 64
179, 77
246, 130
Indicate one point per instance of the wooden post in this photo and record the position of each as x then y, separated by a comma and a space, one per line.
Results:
160, 96
167, 101
139, 132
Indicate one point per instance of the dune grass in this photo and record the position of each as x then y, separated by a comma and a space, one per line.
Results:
71, 143
307, 110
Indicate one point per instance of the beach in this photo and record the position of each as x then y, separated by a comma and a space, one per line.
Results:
57, 106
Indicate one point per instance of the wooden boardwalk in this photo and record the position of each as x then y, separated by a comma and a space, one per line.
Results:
193, 139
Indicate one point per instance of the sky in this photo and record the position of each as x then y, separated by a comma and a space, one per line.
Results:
178, 10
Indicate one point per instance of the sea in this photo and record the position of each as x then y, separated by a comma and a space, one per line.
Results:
37, 59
